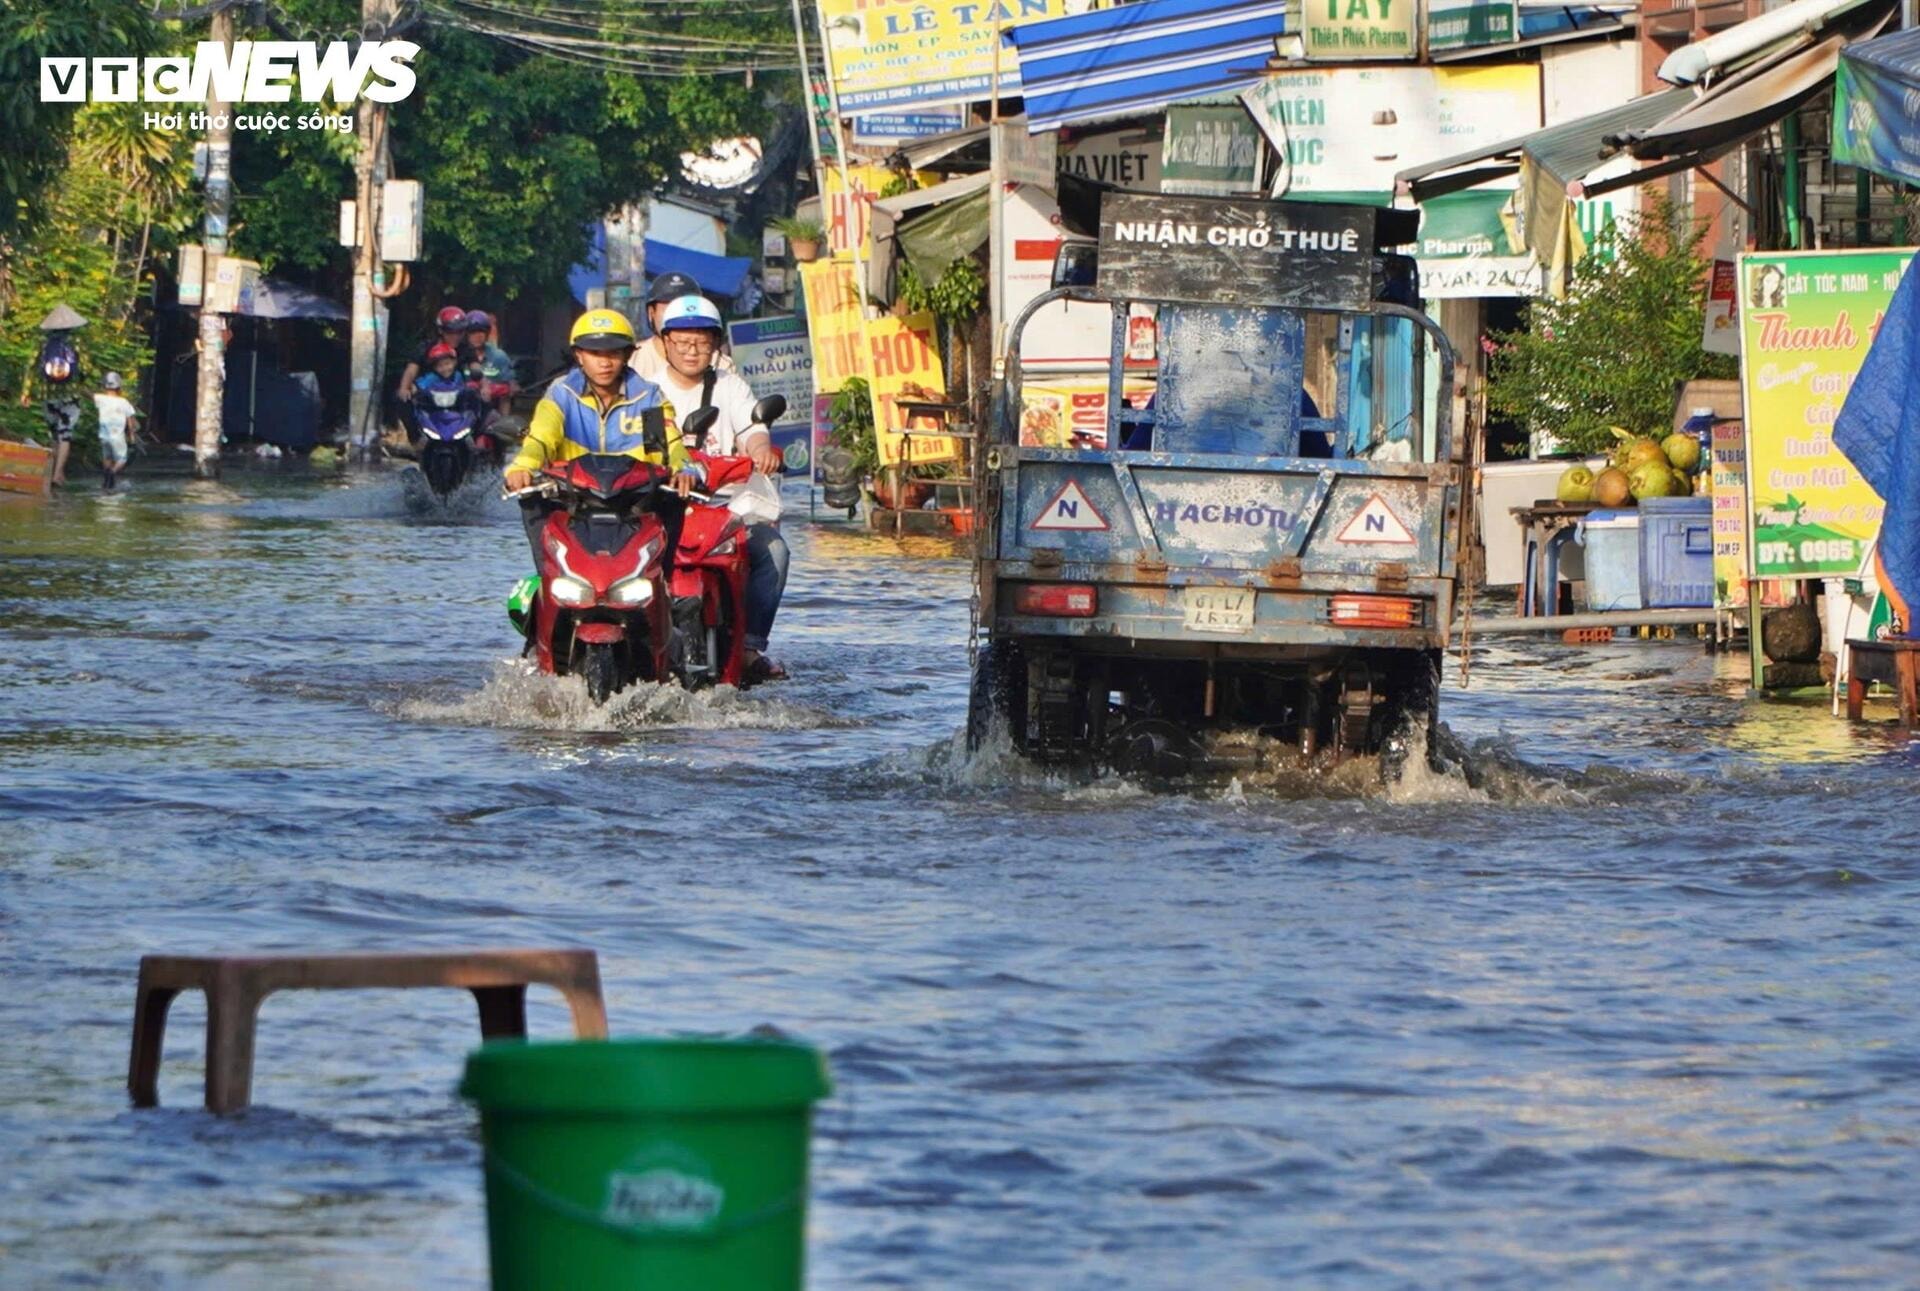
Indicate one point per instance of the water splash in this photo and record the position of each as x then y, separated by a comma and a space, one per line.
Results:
520, 696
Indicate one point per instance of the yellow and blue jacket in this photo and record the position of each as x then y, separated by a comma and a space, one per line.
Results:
568, 423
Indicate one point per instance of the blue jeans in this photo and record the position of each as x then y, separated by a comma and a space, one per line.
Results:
766, 580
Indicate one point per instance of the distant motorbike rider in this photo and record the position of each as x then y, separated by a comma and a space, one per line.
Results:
650, 356
600, 407
692, 329
485, 363
451, 322
443, 372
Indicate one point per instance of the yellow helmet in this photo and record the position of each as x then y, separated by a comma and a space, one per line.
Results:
602, 329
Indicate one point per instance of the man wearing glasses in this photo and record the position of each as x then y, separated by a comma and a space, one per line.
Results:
690, 330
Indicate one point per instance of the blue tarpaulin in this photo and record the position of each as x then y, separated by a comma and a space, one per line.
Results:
1872, 124
717, 275
1138, 58
1879, 431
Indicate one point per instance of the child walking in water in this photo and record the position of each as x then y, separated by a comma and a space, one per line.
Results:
117, 420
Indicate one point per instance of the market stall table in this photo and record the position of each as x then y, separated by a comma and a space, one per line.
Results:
1549, 527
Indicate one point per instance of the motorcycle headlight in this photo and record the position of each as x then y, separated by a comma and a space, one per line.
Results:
631, 592
727, 547
570, 592
463, 432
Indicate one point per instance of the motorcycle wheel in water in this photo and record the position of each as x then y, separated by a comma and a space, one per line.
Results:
445, 465
602, 671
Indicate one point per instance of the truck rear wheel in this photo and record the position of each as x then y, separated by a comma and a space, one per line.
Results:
998, 694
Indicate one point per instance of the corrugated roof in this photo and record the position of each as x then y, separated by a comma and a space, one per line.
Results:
1138, 58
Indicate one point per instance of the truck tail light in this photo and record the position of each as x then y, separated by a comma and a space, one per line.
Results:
1374, 612
1061, 600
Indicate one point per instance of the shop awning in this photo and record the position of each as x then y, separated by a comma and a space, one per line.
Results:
1570, 149
930, 228
1874, 83
717, 275
954, 149
1137, 58
1780, 31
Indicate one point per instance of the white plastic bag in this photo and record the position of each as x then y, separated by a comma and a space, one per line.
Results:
757, 500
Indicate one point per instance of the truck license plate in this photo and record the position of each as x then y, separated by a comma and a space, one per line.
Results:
1218, 609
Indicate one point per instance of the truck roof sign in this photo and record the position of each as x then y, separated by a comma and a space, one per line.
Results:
1233, 251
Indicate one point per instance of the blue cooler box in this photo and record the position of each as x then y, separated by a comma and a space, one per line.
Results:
1676, 552
1612, 543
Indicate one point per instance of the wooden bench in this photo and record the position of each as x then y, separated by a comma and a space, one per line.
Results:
235, 985
1897, 663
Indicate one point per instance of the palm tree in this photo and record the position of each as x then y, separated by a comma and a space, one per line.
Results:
149, 170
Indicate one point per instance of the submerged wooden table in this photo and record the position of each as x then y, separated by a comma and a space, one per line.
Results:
1897, 663
235, 985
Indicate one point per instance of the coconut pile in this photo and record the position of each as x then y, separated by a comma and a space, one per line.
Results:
1639, 467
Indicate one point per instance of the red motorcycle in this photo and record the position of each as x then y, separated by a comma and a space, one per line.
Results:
602, 610
710, 564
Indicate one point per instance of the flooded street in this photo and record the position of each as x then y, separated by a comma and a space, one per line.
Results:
1631, 1009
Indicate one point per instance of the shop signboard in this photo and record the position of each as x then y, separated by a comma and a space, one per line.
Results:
1071, 411
1347, 130
1210, 150
884, 128
1474, 23
895, 57
822, 433
1346, 31
1117, 158
903, 364
775, 357
1722, 331
1300, 255
1469, 248
1807, 319
1729, 481
833, 323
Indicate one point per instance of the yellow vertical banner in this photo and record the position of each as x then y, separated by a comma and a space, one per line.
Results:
903, 365
833, 324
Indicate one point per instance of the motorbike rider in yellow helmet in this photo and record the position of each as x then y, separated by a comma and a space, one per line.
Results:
600, 407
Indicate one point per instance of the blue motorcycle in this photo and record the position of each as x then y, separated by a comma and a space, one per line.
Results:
453, 437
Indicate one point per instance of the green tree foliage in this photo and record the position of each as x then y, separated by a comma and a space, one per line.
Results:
36, 133
519, 153
116, 209
1610, 353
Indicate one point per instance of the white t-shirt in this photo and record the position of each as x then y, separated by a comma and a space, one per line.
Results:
114, 411
732, 396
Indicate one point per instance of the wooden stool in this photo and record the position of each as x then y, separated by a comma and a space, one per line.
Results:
235, 985
1897, 663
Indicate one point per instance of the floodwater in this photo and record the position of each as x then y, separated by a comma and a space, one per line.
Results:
1628, 1005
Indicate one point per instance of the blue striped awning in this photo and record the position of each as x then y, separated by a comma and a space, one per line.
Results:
1137, 58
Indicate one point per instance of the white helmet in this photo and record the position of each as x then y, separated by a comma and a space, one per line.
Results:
691, 314
111, 381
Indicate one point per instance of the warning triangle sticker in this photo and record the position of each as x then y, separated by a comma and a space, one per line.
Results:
1376, 522
1070, 508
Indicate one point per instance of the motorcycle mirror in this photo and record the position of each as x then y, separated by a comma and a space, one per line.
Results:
697, 424
770, 409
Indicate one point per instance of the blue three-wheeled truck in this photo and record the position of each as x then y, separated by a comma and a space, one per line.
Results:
1234, 561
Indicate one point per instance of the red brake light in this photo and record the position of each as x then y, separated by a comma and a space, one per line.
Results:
1061, 600
1374, 612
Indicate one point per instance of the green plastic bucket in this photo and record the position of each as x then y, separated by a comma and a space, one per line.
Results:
647, 1163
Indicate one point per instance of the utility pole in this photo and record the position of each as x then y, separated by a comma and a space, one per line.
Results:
368, 342
626, 258
212, 387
